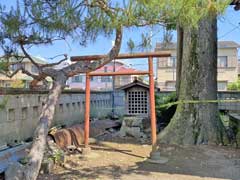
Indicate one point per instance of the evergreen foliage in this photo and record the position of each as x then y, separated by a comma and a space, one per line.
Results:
234, 86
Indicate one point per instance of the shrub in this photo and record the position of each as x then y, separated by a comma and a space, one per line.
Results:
235, 86
165, 114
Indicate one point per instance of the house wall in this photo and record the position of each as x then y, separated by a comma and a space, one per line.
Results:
7, 82
166, 76
230, 73
97, 83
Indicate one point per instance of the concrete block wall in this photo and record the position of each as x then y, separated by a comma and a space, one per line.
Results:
119, 103
21, 113
229, 106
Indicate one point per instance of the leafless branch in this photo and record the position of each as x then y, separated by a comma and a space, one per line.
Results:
55, 64
46, 41
57, 56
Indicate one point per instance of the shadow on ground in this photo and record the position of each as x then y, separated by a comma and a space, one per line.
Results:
118, 160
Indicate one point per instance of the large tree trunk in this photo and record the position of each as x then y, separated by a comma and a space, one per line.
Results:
197, 123
179, 58
31, 170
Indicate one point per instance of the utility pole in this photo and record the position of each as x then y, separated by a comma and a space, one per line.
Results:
113, 87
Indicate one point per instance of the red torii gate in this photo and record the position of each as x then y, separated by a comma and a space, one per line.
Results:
150, 57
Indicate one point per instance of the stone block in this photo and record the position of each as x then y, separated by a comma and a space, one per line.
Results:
131, 131
134, 131
133, 121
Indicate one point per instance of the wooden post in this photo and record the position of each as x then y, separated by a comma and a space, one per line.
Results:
152, 103
87, 111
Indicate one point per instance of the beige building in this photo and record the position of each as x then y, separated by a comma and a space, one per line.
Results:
20, 80
227, 66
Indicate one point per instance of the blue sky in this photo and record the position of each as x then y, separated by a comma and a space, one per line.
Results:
228, 29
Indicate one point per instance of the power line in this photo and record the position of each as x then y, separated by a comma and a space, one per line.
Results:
232, 24
236, 27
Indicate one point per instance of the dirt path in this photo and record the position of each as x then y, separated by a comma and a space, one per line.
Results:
125, 159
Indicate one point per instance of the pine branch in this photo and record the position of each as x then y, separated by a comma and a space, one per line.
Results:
103, 6
55, 64
28, 56
84, 66
113, 52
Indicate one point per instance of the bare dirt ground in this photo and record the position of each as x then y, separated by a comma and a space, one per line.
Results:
115, 159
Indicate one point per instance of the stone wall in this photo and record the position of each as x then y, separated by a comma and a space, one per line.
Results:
19, 117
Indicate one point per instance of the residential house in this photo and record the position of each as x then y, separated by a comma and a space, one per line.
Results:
227, 65
104, 82
20, 79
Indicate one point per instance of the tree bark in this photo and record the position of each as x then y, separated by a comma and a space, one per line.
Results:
179, 58
197, 123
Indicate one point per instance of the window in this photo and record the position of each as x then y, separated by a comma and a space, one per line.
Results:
105, 69
77, 78
105, 79
7, 85
222, 86
222, 61
172, 61
34, 69
27, 84
14, 67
